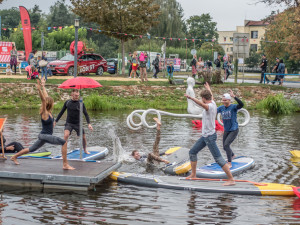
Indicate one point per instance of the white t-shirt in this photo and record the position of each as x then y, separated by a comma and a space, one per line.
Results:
208, 120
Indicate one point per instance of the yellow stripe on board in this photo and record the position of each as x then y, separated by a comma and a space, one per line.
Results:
172, 150
184, 168
276, 189
295, 153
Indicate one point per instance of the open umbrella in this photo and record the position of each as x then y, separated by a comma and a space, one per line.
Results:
80, 83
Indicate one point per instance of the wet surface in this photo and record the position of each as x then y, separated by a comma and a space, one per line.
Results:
266, 139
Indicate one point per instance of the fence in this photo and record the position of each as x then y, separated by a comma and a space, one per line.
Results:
279, 74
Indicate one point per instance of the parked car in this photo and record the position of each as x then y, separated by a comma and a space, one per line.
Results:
111, 67
87, 63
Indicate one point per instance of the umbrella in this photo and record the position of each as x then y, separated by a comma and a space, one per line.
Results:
80, 83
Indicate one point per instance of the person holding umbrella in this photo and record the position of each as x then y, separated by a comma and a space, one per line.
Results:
46, 135
73, 119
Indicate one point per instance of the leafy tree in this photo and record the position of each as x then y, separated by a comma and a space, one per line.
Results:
35, 15
213, 47
254, 59
119, 16
201, 27
10, 18
284, 28
294, 3
60, 15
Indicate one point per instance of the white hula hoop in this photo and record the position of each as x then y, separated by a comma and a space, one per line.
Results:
243, 111
152, 111
131, 124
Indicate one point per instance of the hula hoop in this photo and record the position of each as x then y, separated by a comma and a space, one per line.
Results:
243, 111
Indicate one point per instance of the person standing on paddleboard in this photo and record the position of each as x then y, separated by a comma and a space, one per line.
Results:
231, 126
47, 129
72, 123
209, 135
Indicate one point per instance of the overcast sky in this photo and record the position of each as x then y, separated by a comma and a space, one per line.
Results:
227, 13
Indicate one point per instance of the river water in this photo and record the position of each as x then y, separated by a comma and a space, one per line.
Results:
266, 139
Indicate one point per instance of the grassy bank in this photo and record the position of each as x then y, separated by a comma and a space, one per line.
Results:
130, 94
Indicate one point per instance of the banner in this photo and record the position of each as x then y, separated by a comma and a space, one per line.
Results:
5, 48
26, 30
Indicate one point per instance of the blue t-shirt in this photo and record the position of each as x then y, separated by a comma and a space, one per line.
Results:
229, 117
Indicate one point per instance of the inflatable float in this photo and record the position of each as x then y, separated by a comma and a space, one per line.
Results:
33, 154
239, 165
242, 187
179, 161
96, 153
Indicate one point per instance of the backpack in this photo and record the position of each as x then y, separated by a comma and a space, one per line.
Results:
153, 62
216, 61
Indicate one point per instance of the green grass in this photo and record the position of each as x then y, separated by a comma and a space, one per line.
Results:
277, 104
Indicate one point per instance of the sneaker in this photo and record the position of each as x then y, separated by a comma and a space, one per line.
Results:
129, 77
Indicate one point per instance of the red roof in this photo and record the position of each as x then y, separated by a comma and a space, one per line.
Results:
257, 23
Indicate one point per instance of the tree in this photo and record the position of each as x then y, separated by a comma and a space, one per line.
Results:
35, 15
60, 15
290, 3
119, 17
10, 18
254, 59
213, 47
284, 35
201, 27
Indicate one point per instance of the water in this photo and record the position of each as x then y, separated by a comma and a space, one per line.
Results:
266, 139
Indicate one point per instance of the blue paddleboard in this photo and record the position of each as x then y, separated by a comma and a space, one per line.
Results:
96, 153
239, 165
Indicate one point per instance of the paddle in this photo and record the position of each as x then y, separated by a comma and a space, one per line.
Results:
296, 191
248, 181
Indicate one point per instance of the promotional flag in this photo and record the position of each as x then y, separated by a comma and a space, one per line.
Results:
26, 30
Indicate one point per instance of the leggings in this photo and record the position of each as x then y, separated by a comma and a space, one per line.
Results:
13, 65
46, 138
228, 138
18, 147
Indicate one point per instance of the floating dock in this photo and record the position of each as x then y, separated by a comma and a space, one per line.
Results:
48, 174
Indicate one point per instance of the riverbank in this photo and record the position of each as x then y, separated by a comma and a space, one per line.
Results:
124, 93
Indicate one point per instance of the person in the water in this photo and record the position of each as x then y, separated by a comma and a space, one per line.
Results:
47, 128
152, 156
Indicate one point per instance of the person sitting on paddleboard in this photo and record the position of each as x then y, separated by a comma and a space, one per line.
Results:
209, 135
231, 126
153, 156
72, 122
47, 128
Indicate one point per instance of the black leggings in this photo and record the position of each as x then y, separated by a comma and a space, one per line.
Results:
228, 138
18, 147
11, 66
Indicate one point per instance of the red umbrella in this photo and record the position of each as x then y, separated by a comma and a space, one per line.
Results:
80, 83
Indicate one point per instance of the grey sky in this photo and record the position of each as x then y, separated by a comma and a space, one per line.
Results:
228, 14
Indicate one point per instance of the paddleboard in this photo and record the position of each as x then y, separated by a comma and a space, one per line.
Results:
179, 161
216, 186
33, 154
96, 153
239, 165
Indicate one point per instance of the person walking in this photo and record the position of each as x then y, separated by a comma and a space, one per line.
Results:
231, 126
281, 71
275, 70
155, 63
264, 66
209, 135
193, 64
46, 135
43, 65
143, 70
14, 58
134, 62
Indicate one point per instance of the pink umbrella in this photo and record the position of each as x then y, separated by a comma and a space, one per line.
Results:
80, 83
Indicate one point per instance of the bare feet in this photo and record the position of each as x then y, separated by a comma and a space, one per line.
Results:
68, 167
229, 183
87, 152
14, 159
192, 176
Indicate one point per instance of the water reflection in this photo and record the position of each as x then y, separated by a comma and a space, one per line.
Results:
267, 140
